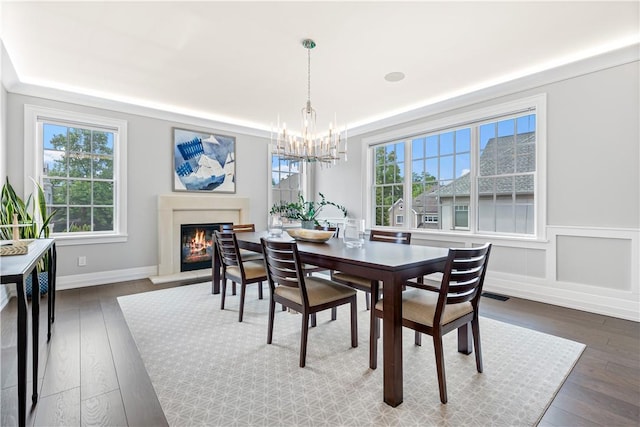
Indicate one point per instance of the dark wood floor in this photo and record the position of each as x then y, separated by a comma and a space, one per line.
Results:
91, 372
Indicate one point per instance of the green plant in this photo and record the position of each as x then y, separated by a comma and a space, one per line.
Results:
26, 213
304, 210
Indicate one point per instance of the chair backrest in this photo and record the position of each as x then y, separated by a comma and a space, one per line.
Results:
401, 237
336, 230
463, 276
227, 246
239, 228
283, 265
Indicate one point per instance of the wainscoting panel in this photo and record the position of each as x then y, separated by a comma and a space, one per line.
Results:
595, 261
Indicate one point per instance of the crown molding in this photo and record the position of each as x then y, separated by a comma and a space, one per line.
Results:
617, 57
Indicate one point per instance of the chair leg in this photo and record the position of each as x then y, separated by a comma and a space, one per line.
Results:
367, 298
304, 333
233, 288
272, 312
354, 322
313, 320
334, 313
284, 308
442, 382
373, 341
260, 290
418, 338
475, 326
243, 291
223, 291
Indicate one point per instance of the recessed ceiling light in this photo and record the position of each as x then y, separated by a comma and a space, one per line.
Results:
394, 76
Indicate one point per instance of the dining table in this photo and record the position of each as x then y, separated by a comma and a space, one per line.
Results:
389, 263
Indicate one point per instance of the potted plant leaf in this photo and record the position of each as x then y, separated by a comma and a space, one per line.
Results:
305, 211
27, 217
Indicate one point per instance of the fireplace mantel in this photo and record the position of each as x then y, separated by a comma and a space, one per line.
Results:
176, 209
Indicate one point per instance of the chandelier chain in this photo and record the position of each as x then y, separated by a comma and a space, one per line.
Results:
308, 77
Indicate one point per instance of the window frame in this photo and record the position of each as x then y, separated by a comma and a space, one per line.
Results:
303, 181
33, 165
535, 104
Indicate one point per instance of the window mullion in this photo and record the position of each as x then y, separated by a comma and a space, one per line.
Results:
473, 180
408, 185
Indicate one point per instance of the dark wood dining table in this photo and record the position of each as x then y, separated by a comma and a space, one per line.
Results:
392, 264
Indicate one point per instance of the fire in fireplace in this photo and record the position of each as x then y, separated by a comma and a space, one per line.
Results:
196, 245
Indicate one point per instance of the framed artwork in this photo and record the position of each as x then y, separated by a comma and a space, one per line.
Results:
203, 162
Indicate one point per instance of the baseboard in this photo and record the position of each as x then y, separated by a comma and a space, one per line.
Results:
90, 279
608, 302
105, 277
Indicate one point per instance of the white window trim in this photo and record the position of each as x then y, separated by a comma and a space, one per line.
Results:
33, 164
536, 102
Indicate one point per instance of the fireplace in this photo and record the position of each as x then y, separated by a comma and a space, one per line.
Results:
176, 209
196, 245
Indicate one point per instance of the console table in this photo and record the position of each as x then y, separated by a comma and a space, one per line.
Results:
15, 269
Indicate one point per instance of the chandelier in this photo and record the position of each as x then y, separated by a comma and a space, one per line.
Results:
307, 147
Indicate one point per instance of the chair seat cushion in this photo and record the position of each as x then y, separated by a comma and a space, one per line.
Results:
250, 255
347, 278
320, 291
252, 270
420, 306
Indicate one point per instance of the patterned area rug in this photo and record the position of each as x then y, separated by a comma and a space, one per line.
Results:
208, 369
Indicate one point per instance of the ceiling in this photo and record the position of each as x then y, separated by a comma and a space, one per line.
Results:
243, 62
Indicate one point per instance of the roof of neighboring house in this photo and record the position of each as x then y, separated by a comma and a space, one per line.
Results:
523, 159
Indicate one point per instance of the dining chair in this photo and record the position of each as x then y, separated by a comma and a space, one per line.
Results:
236, 269
438, 312
243, 228
244, 254
365, 285
290, 287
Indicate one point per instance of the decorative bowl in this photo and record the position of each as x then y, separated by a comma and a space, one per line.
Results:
316, 236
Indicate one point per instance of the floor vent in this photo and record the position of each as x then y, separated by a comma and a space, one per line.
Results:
495, 296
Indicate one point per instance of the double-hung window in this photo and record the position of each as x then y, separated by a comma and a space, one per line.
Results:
477, 173
287, 180
79, 161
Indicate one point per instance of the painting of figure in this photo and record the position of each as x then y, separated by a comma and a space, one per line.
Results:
203, 161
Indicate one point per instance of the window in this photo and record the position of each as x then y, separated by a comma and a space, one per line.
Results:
399, 219
441, 163
79, 163
388, 184
430, 219
474, 173
461, 216
506, 175
286, 180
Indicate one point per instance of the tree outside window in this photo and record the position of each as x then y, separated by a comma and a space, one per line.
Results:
78, 177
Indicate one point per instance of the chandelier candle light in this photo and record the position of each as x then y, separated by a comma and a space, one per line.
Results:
326, 150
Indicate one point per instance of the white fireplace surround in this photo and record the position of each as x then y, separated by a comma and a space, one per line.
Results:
177, 209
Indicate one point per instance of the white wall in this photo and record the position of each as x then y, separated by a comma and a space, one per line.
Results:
149, 174
591, 257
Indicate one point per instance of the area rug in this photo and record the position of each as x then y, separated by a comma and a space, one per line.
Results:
208, 369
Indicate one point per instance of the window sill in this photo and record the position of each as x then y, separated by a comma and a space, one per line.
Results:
499, 239
88, 239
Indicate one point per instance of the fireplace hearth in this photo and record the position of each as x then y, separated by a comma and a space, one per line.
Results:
196, 245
